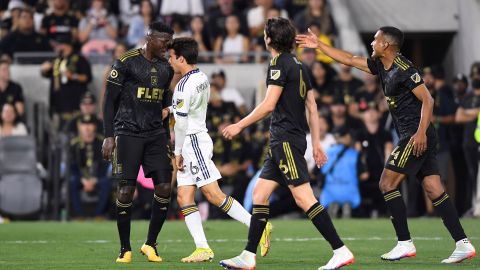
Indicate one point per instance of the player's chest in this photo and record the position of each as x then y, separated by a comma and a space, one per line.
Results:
151, 75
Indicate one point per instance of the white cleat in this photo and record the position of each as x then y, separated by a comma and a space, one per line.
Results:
244, 261
341, 257
463, 251
403, 249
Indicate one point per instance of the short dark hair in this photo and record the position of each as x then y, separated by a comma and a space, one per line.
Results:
186, 47
160, 27
282, 34
394, 33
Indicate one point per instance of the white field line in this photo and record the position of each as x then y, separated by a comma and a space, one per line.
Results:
420, 238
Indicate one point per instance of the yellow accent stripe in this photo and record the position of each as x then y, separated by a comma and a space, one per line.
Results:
129, 54
437, 203
114, 82
401, 64
261, 211
273, 62
119, 204
405, 155
290, 161
228, 205
160, 199
290, 169
392, 195
315, 212
189, 210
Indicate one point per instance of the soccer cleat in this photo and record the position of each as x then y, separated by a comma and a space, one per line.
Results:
151, 253
244, 261
199, 255
125, 256
265, 240
463, 251
403, 249
341, 257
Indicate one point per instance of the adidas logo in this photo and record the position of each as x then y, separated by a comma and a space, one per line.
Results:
392, 162
122, 213
198, 179
163, 208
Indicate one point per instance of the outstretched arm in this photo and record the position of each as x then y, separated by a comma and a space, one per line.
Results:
310, 40
261, 111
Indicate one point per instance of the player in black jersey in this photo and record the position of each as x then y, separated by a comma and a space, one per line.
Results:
135, 134
289, 92
411, 107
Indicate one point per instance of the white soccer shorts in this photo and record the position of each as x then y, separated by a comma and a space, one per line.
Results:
198, 167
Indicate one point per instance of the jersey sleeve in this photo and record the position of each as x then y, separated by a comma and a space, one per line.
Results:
306, 78
117, 73
411, 78
277, 74
372, 66
114, 86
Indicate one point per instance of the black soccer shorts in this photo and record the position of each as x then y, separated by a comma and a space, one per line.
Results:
286, 165
403, 161
151, 153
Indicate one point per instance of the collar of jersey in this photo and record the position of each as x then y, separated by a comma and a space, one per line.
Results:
191, 72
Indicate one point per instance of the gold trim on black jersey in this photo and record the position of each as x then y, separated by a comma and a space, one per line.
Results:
273, 62
402, 64
129, 54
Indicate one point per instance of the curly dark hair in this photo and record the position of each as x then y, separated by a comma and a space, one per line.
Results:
282, 34
186, 47
159, 26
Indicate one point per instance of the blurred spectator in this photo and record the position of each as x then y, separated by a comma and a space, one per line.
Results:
460, 87
475, 71
87, 109
88, 170
322, 82
307, 56
326, 141
179, 25
428, 77
70, 74
10, 92
60, 24
218, 16
10, 20
341, 174
139, 24
24, 38
119, 50
375, 145
317, 11
339, 117
98, 29
10, 124
232, 47
201, 36
370, 95
229, 94
346, 85
443, 117
256, 16
294, 7
467, 113
185, 7
320, 56
219, 111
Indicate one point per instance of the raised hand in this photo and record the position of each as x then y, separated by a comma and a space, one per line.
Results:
309, 40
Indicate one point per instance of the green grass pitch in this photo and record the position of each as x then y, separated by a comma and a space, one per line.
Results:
296, 245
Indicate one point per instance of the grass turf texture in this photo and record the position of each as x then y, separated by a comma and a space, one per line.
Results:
296, 245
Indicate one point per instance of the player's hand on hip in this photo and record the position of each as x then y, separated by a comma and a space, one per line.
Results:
108, 147
319, 155
231, 131
419, 141
309, 40
179, 162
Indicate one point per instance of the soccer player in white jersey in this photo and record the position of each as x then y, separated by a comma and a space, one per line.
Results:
194, 150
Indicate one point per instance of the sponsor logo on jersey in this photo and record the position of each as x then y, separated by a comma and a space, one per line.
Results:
113, 74
180, 103
274, 74
150, 95
415, 78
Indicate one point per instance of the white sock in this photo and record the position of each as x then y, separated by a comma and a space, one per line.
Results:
235, 210
194, 224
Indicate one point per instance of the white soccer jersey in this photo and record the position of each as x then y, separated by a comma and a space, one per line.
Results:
189, 104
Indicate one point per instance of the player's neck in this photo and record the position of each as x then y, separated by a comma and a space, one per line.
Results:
187, 68
387, 59
274, 53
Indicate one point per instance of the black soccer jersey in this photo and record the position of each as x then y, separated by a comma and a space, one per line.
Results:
397, 83
144, 87
289, 121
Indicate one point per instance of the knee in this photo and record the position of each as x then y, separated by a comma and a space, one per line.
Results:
125, 194
163, 190
434, 189
303, 201
259, 197
184, 199
386, 186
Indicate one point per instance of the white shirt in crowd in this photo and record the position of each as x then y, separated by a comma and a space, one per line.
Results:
328, 141
232, 95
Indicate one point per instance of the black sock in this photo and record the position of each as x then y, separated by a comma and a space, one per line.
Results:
159, 214
444, 207
398, 213
124, 216
324, 225
258, 221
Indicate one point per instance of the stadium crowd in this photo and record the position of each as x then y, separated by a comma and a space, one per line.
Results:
356, 129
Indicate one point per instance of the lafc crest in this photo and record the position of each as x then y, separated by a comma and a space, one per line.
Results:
416, 78
274, 74
154, 80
